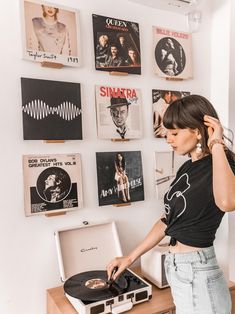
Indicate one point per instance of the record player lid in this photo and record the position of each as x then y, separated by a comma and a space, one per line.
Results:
86, 247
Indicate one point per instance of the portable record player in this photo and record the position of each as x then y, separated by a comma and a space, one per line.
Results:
83, 253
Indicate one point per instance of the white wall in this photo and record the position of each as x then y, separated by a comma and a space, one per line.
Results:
220, 64
232, 127
28, 260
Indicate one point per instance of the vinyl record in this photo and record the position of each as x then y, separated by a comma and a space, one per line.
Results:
92, 286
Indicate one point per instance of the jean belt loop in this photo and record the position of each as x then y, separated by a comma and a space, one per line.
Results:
203, 258
174, 263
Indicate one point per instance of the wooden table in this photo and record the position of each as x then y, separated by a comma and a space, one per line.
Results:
161, 302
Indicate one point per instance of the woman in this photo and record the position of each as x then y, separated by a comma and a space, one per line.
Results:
121, 177
49, 34
203, 190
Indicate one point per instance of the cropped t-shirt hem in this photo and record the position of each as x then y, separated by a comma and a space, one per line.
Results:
195, 244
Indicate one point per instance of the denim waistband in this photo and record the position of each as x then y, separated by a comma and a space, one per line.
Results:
202, 255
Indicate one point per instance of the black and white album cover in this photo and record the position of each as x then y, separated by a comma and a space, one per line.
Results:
167, 164
50, 33
118, 111
120, 177
172, 53
116, 45
52, 183
161, 100
51, 110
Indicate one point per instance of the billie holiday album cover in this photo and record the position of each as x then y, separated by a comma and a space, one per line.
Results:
50, 32
118, 112
52, 183
167, 164
120, 177
51, 110
161, 100
116, 45
172, 53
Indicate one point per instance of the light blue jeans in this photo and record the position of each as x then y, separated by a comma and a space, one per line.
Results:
197, 283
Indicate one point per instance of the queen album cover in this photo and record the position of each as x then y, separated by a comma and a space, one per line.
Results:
52, 183
116, 45
50, 33
167, 164
118, 112
120, 177
161, 100
172, 53
51, 110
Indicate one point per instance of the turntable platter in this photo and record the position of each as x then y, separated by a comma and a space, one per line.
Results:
92, 286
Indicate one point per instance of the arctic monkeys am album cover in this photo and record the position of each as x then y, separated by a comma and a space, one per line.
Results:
120, 177
116, 45
52, 183
51, 110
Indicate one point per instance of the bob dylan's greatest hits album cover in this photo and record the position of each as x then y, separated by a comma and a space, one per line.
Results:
116, 45
52, 183
118, 112
51, 110
120, 177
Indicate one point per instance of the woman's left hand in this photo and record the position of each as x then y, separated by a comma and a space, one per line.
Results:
215, 129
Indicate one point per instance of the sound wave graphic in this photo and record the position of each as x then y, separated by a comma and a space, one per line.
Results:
38, 109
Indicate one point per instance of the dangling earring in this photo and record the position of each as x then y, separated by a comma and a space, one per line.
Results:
199, 149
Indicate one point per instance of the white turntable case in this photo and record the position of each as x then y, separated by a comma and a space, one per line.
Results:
152, 265
90, 247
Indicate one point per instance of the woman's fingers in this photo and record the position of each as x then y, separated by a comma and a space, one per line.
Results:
210, 131
116, 267
211, 121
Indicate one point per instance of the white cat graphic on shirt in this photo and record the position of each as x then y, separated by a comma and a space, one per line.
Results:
174, 192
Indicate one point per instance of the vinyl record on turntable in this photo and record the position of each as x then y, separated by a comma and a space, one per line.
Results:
92, 286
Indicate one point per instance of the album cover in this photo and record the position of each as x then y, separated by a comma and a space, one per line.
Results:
51, 110
116, 45
120, 177
52, 183
50, 33
161, 100
172, 53
167, 164
118, 112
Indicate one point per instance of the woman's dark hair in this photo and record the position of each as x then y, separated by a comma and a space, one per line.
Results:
188, 112
117, 161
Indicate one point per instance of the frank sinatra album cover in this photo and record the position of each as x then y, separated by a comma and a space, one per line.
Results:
118, 111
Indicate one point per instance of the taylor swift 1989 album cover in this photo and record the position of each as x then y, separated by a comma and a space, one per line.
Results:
120, 177
50, 33
116, 45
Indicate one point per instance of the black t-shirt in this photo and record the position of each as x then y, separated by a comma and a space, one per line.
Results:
192, 216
